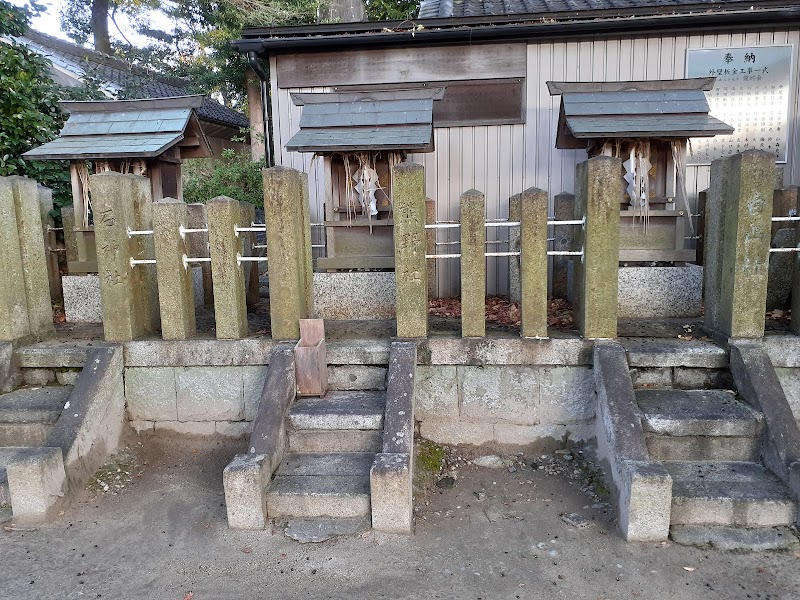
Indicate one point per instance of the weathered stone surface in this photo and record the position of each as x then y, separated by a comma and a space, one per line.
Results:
333, 464
729, 493
597, 194
674, 353
408, 188
278, 392
36, 480
320, 530
253, 380
781, 269
473, 264
245, 480
142, 426
82, 298
533, 263
358, 352
10, 375
335, 440
209, 394
175, 281
651, 376
514, 215
399, 419
67, 377
234, 429
645, 501
456, 432
565, 239
70, 240
736, 288
334, 293
339, 410
391, 493
790, 382
505, 351
734, 538
783, 350
692, 379
38, 376
430, 245
356, 377
289, 271
566, 394
660, 292
230, 309
55, 354
499, 395
702, 447
13, 301
318, 496
197, 246
524, 435
151, 393
208, 353
436, 392
33, 405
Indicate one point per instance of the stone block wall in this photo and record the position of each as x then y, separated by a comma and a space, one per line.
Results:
504, 404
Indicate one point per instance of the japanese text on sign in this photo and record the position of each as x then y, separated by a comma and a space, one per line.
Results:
751, 94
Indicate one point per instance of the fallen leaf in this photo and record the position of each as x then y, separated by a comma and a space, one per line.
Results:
690, 569
247, 550
61, 513
797, 554
188, 596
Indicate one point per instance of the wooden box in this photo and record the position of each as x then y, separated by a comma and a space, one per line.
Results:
310, 359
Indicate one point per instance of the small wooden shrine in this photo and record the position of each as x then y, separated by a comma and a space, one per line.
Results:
647, 124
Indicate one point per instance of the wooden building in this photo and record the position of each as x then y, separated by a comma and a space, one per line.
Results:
496, 127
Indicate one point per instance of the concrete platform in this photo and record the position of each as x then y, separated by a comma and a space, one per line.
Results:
740, 494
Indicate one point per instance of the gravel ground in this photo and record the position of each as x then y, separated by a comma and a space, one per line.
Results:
152, 525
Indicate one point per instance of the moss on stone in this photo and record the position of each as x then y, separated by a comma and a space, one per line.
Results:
430, 456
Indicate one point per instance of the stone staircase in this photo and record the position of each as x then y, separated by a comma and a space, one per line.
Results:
710, 442
322, 486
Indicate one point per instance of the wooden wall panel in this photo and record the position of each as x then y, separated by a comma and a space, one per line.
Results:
504, 160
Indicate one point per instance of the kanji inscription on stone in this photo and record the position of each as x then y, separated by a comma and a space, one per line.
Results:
751, 94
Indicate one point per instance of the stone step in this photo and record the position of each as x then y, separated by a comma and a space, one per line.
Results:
27, 415
55, 354
6, 455
335, 464
335, 440
699, 425
320, 530
739, 494
311, 496
757, 539
356, 377
339, 410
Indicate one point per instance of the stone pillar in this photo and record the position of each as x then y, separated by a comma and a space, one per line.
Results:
283, 213
473, 264
430, 244
146, 247
70, 239
250, 269
197, 247
533, 263
175, 289
308, 255
565, 236
50, 244
515, 215
598, 189
124, 290
13, 302
230, 308
737, 240
794, 324
411, 296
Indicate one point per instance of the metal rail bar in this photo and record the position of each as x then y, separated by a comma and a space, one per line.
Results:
240, 259
199, 259
785, 219
568, 222
132, 232
565, 253
502, 254
503, 224
147, 261
443, 226
442, 256
184, 230
785, 249
255, 228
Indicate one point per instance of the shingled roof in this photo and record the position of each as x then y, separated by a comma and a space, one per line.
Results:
431, 9
116, 76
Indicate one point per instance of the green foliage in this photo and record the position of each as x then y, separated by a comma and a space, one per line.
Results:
392, 10
29, 112
234, 175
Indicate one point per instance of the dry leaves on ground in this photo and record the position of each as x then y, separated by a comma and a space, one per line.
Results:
502, 311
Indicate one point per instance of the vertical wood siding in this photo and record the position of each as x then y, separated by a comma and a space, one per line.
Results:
507, 159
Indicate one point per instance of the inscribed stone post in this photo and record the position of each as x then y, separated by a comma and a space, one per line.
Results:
144, 246
70, 241
565, 240
430, 244
124, 290
411, 296
34, 254
230, 309
283, 213
175, 290
598, 189
737, 243
197, 247
250, 269
13, 302
533, 263
49, 236
308, 255
473, 264
515, 215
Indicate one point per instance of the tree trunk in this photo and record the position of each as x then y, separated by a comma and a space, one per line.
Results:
102, 42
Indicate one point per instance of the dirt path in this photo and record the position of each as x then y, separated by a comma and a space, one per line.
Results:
494, 535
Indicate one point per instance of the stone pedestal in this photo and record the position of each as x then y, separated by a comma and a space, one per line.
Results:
533, 263
230, 309
737, 237
175, 284
409, 250
473, 264
597, 195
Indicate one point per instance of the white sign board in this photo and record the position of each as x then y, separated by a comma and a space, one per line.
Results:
751, 94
